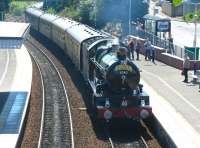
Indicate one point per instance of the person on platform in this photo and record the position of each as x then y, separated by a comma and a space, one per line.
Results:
171, 46
122, 53
147, 48
153, 54
137, 48
131, 48
186, 67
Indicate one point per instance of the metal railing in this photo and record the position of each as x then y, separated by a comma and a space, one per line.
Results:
162, 43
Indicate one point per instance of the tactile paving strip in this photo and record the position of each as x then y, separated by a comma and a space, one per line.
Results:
12, 107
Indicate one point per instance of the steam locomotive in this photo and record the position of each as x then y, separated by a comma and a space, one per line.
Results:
112, 78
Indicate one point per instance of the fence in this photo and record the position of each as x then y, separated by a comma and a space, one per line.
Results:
163, 43
190, 7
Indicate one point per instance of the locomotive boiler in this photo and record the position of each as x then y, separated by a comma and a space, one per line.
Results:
119, 74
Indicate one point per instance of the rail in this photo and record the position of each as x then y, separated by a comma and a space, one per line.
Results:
43, 101
135, 139
57, 126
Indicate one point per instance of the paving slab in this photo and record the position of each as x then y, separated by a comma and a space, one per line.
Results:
183, 98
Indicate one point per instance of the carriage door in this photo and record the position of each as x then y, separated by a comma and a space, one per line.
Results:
84, 61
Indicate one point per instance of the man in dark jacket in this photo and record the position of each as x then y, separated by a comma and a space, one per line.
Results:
186, 67
147, 48
153, 54
131, 48
137, 48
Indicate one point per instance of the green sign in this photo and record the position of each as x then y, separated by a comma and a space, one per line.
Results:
192, 52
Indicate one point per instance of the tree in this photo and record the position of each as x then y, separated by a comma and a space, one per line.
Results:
98, 12
86, 7
4, 5
177, 2
116, 11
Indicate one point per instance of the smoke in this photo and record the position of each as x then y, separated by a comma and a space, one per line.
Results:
118, 11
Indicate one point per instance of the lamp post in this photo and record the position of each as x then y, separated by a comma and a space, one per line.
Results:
2, 10
195, 29
1, 16
195, 24
129, 20
95, 14
45, 5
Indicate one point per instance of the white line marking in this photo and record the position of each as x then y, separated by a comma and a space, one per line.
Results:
171, 121
6, 68
173, 89
112, 145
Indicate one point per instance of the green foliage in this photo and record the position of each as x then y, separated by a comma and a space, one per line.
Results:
81, 10
4, 5
98, 12
177, 2
51, 10
86, 6
18, 7
70, 12
190, 17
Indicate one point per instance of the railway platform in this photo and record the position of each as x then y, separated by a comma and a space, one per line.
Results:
15, 81
175, 104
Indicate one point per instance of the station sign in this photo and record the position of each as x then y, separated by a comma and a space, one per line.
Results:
163, 26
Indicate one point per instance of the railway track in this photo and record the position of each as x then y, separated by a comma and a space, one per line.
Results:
15, 18
140, 143
134, 138
129, 135
56, 125
117, 140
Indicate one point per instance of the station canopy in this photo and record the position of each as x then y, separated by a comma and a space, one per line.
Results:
155, 17
12, 34
157, 23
